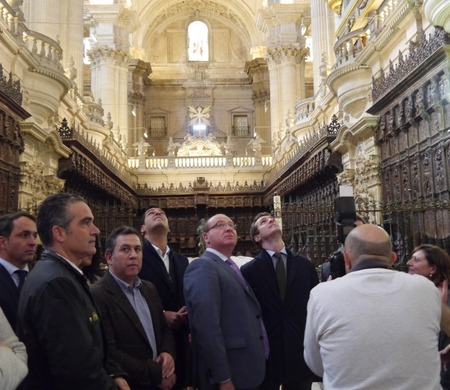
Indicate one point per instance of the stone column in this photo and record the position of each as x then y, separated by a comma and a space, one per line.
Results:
109, 79
322, 32
61, 20
281, 24
258, 71
139, 72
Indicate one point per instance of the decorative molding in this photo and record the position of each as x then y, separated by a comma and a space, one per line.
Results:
418, 53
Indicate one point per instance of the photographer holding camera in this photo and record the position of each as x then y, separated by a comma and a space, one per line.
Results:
335, 267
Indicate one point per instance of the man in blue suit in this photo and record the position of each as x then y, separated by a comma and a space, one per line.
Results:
282, 282
18, 242
224, 315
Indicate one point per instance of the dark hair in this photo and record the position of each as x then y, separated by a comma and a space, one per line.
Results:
120, 231
54, 211
145, 213
254, 231
7, 221
439, 258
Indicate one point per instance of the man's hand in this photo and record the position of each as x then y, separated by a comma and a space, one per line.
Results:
121, 383
228, 385
167, 364
175, 319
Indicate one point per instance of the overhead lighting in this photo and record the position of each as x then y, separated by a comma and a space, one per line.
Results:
133, 111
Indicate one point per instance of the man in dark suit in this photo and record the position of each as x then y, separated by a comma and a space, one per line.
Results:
17, 250
282, 283
225, 317
165, 269
57, 318
136, 330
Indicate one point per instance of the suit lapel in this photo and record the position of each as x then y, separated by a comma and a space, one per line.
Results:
155, 262
228, 269
292, 267
123, 303
9, 286
267, 271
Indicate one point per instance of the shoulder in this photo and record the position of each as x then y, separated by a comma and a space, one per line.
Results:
148, 286
179, 258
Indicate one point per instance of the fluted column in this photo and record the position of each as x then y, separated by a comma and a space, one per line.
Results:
287, 82
109, 79
322, 32
61, 20
139, 72
259, 73
282, 26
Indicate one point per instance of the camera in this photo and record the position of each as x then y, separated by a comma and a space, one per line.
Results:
345, 216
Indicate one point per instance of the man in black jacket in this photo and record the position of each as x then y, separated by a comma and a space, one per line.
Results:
57, 319
132, 316
282, 282
165, 269
17, 250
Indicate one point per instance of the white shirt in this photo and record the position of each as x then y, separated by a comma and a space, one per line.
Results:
374, 329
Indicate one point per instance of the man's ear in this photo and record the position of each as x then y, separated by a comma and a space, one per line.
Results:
108, 257
393, 258
143, 229
257, 238
3, 241
59, 233
348, 263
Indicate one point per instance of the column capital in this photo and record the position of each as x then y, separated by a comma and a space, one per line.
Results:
105, 55
287, 53
282, 23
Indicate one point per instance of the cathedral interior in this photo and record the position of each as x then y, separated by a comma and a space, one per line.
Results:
231, 106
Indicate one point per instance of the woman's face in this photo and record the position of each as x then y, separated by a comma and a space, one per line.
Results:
418, 265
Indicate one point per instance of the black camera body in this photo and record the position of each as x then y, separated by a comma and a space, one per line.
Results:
337, 264
345, 216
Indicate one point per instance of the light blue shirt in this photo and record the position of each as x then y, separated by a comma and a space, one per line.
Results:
140, 306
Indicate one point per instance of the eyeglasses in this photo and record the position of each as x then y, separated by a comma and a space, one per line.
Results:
222, 225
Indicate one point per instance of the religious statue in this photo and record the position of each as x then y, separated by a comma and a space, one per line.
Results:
141, 147
255, 144
172, 147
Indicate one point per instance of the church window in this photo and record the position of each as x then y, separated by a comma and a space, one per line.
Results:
240, 125
157, 126
198, 41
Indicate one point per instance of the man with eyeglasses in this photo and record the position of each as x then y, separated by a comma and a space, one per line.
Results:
165, 268
282, 282
224, 315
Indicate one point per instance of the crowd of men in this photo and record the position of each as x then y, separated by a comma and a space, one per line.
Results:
155, 321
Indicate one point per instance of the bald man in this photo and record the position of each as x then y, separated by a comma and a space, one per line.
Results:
374, 328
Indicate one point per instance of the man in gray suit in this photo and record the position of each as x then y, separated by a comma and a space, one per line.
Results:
229, 339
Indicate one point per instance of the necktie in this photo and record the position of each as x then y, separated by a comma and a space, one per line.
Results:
22, 276
264, 336
280, 271
236, 269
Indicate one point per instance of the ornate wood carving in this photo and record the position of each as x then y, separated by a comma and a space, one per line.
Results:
11, 141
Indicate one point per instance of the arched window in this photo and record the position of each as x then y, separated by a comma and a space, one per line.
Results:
198, 41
